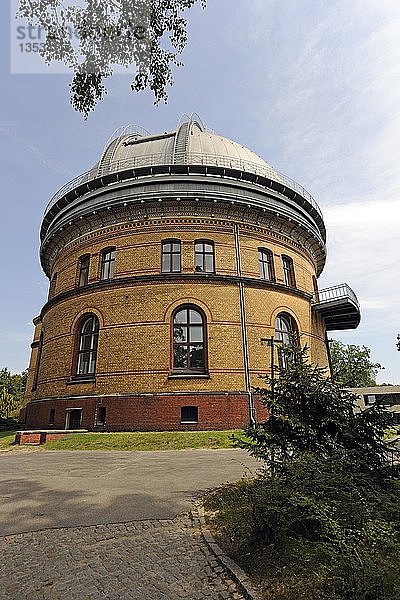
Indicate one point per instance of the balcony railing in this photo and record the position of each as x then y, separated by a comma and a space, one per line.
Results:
339, 307
337, 292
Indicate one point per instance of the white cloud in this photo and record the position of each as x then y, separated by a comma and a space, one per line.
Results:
328, 112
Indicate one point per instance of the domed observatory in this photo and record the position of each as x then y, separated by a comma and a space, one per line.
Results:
179, 265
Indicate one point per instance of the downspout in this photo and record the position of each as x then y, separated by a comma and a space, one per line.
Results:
244, 330
328, 351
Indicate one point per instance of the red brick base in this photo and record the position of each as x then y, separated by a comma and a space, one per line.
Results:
36, 438
146, 412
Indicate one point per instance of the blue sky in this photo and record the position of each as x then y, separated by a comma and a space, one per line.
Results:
312, 87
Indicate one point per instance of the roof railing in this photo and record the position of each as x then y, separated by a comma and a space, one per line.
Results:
193, 159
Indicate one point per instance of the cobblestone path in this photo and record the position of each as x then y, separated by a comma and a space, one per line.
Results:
143, 560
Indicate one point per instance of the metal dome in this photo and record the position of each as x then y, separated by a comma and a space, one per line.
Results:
190, 143
191, 161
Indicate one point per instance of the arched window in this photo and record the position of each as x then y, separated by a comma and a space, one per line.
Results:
204, 256
266, 264
286, 334
188, 340
88, 335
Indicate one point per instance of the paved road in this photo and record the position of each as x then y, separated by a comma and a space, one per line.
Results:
41, 490
111, 525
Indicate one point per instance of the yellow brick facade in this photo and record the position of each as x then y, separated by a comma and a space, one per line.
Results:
134, 354
185, 186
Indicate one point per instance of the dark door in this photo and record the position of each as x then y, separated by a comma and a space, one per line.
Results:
75, 417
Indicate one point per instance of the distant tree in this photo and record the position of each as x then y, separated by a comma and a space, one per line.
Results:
352, 365
12, 391
312, 414
90, 40
398, 342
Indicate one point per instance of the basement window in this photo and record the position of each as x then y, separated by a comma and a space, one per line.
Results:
189, 414
52, 417
101, 415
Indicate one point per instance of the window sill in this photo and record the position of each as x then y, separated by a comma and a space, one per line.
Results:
189, 376
81, 379
189, 422
204, 272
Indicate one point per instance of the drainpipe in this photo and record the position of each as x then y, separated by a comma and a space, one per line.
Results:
244, 330
328, 351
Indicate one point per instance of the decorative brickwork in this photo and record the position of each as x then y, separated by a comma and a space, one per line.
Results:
128, 371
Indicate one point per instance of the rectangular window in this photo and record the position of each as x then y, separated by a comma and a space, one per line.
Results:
53, 286
52, 417
266, 264
370, 399
107, 263
189, 414
101, 415
288, 271
83, 277
204, 257
171, 256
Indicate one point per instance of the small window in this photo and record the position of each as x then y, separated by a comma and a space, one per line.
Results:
87, 346
266, 264
370, 399
171, 256
288, 271
101, 415
107, 263
204, 256
189, 414
83, 275
188, 340
52, 417
315, 286
53, 286
38, 359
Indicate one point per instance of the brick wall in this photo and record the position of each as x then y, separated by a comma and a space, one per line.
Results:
148, 413
134, 352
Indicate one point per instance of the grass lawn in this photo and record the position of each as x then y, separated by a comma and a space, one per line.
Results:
6, 439
165, 440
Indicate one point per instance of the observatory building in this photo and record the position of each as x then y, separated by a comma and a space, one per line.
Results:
179, 266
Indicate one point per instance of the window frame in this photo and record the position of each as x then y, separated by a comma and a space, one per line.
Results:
78, 351
266, 262
53, 286
107, 264
293, 335
99, 421
189, 370
52, 417
204, 253
171, 253
83, 270
288, 271
188, 421
38, 360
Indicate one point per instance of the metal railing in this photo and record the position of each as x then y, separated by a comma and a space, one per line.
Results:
194, 159
336, 292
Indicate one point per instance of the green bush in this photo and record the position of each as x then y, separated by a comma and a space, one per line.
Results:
319, 521
323, 519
